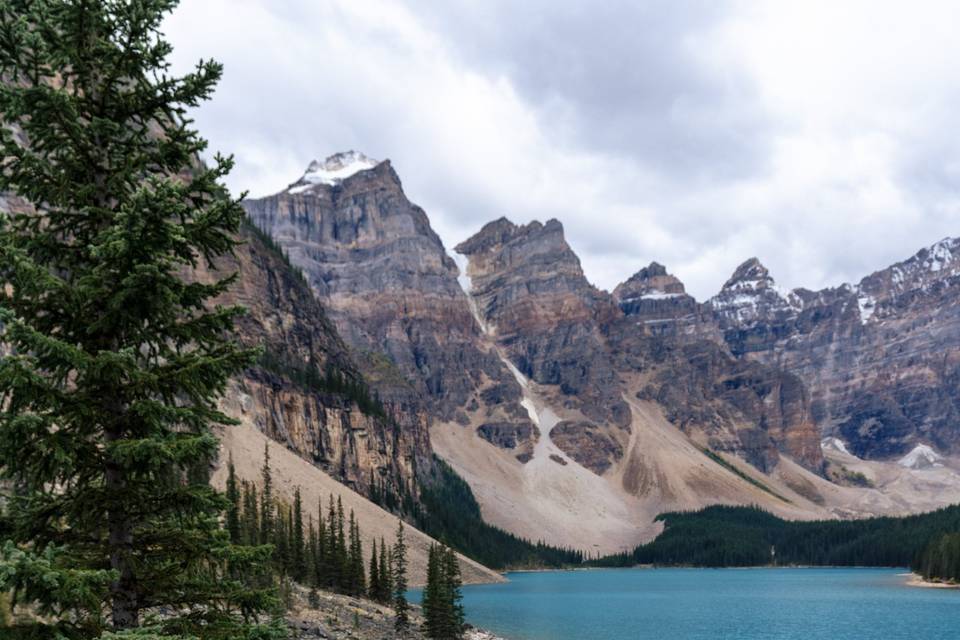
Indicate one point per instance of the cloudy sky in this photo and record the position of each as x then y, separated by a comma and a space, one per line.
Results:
819, 136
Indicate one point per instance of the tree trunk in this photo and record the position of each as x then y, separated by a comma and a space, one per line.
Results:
124, 603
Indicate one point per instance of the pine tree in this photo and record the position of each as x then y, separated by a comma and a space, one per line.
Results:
452, 617
373, 589
386, 575
340, 550
298, 544
108, 400
358, 582
266, 499
251, 515
431, 595
332, 566
442, 608
320, 561
311, 550
233, 498
401, 607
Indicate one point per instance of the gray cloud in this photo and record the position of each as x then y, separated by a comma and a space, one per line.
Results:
814, 136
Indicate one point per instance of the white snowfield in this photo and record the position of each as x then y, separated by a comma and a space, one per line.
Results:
834, 444
921, 457
333, 170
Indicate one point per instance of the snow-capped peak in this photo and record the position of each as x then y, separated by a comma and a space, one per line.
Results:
940, 254
922, 457
333, 170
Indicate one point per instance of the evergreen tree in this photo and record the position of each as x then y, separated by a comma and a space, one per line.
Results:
357, 582
431, 595
332, 567
373, 589
340, 551
442, 608
298, 544
108, 399
266, 499
401, 607
386, 575
233, 499
312, 544
452, 623
320, 561
251, 515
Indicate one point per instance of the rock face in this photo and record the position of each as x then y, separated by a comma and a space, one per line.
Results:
881, 358
392, 291
658, 302
361, 449
530, 291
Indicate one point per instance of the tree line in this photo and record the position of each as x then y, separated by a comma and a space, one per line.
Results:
940, 559
320, 552
725, 536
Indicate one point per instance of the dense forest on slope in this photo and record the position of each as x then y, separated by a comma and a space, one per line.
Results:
940, 560
723, 536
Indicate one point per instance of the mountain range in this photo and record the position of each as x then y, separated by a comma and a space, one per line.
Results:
577, 415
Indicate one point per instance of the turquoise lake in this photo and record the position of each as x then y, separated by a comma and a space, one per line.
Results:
701, 604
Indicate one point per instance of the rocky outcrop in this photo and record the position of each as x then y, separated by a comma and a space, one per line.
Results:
391, 289
529, 289
518, 435
880, 358
658, 302
588, 444
359, 448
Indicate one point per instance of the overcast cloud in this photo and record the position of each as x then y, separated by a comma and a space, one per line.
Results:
820, 137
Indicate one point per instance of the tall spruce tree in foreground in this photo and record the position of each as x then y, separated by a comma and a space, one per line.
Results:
401, 607
442, 608
109, 396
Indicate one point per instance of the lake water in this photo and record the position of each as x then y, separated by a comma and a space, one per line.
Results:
701, 604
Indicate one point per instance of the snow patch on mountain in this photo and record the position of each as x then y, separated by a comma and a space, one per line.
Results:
333, 170
835, 444
921, 457
867, 305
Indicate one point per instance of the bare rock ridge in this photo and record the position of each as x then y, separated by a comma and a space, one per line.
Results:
392, 291
529, 287
658, 301
880, 358
285, 401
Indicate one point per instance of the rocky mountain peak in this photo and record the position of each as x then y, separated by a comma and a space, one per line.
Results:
503, 232
751, 296
334, 170
750, 275
650, 281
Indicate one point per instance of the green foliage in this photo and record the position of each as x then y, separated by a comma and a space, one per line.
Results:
442, 608
940, 560
401, 607
720, 460
108, 399
326, 556
723, 536
308, 376
451, 513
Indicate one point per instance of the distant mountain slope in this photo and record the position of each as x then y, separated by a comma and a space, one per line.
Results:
575, 415
881, 358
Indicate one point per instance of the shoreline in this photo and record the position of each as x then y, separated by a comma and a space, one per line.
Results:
916, 580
